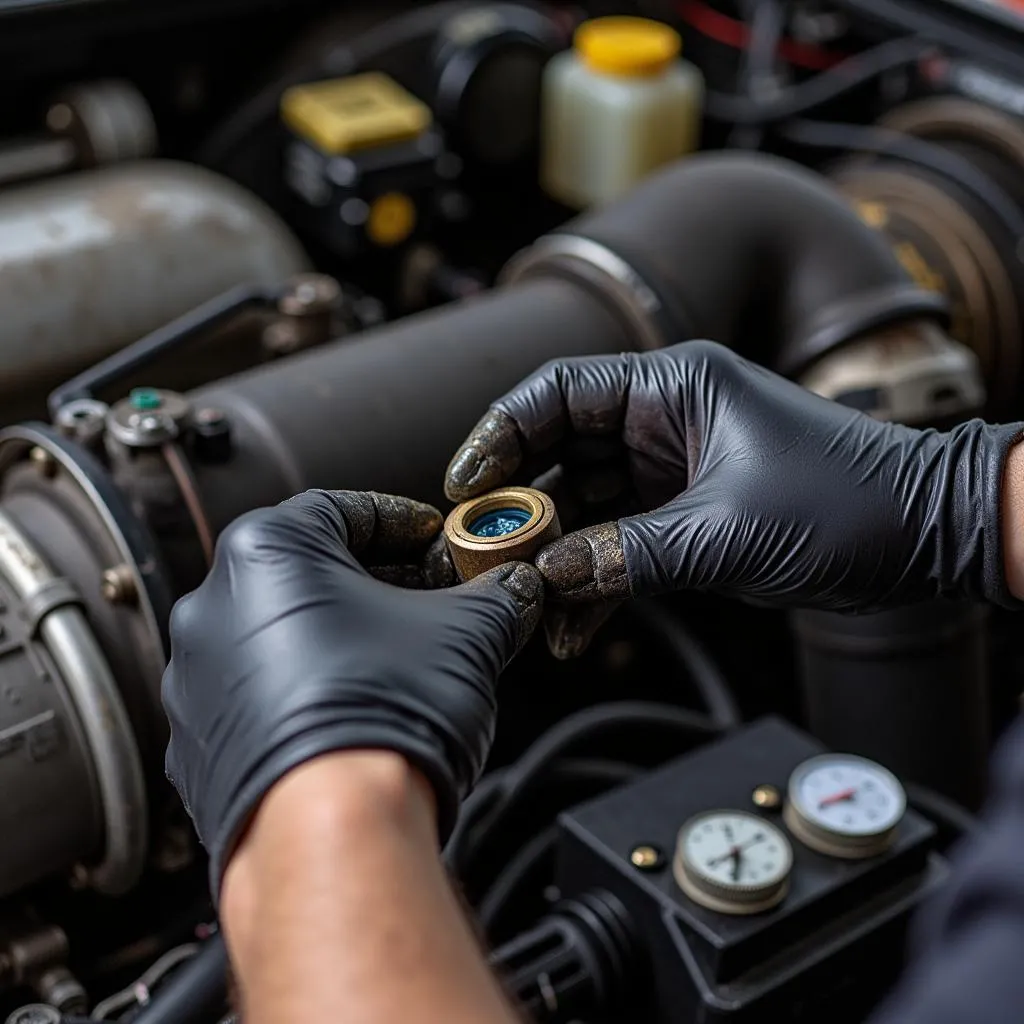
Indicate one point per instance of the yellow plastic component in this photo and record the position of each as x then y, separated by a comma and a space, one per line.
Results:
391, 220
873, 214
346, 114
919, 269
636, 47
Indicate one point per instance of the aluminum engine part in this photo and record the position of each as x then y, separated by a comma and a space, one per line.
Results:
69, 767
89, 262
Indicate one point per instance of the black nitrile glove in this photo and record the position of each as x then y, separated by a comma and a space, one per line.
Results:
760, 489
291, 649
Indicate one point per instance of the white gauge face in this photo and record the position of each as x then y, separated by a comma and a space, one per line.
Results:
733, 862
736, 850
847, 796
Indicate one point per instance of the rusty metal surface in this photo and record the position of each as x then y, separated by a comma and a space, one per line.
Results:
89, 262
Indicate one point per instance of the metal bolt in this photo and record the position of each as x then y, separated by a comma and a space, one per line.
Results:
133, 423
150, 424
309, 294
766, 796
83, 419
44, 461
646, 857
211, 438
118, 585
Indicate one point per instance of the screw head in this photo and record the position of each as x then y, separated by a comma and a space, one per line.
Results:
44, 461
83, 419
646, 857
118, 585
211, 439
766, 796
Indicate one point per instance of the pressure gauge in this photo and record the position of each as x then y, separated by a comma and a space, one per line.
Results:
844, 806
733, 862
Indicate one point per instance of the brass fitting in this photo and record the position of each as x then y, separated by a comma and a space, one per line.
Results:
507, 525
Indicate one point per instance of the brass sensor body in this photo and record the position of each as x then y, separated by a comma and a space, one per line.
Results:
508, 525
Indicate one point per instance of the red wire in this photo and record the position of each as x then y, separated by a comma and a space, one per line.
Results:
730, 32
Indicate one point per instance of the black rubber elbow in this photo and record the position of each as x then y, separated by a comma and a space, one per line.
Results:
747, 250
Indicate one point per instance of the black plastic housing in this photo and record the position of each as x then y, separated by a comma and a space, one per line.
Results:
829, 951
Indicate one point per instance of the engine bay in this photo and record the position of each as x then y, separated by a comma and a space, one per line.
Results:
248, 249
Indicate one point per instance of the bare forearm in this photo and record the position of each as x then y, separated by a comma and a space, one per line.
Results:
1013, 520
336, 905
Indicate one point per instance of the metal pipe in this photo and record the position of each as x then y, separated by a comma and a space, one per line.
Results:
91, 261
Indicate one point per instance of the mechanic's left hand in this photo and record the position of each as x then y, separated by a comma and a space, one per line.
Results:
291, 649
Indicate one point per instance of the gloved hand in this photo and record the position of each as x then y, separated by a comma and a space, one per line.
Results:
291, 649
759, 488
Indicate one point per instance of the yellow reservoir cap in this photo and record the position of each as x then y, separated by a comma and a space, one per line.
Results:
391, 220
635, 47
342, 115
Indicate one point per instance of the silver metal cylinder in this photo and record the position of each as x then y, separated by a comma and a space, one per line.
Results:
69, 764
92, 261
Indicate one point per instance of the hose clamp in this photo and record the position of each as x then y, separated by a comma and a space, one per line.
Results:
592, 264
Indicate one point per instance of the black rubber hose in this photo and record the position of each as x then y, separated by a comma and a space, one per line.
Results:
690, 655
385, 411
753, 251
513, 876
490, 804
602, 775
197, 993
767, 21
931, 156
850, 74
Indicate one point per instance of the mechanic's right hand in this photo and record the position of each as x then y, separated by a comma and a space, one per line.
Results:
759, 488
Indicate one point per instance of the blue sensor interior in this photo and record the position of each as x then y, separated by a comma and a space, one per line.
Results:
500, 522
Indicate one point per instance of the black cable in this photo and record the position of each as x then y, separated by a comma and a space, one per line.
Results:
767, 23
513, 875
757, 71
693, 658
590, 724
516, 872
196, 993
847, 75
932, 157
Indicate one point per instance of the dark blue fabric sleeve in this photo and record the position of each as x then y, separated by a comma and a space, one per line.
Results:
967, 962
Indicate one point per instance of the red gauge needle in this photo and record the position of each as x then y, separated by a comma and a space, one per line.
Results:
838, 798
